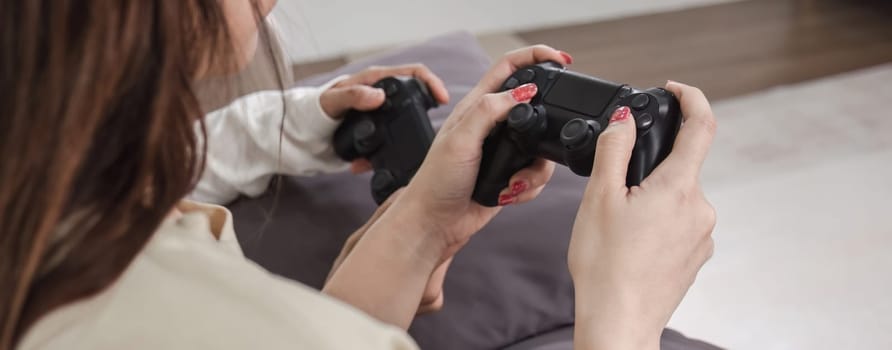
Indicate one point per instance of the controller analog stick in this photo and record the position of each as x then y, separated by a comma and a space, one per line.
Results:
640, 102
578, 132
383, 185
524, 117
366, 136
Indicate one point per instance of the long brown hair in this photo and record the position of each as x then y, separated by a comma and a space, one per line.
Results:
97, 139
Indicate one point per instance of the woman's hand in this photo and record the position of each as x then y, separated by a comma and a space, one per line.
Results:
356, 92
635, 251
404, 250
440, 193
432, 299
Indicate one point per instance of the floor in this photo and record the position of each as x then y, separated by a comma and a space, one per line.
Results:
800, 169
800, 178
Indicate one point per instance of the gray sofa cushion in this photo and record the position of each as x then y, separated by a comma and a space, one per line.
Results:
510, 283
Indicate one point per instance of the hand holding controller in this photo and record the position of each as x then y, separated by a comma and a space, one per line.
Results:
562, 124
395, 138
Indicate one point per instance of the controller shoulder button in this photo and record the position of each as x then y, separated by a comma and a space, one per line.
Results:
644, 121
640, 102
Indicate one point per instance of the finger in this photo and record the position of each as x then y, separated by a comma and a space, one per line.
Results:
434, 306
527, 183
696, 133
360, 166
613, 152
514, 60
338, 100
417, 70
476, 122
434, 287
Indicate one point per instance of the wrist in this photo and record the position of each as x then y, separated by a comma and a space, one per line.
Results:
613, 320
413, 233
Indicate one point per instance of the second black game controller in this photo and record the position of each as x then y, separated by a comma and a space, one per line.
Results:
563, 121
395, 138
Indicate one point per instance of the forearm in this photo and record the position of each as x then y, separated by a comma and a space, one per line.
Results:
607, 321
263, 134
386, 273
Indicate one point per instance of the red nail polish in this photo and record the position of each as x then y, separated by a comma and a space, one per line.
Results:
620, 114
525, 92
518, 187
567, 57
506, 199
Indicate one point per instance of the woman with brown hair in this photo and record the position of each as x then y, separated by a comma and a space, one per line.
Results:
99, 250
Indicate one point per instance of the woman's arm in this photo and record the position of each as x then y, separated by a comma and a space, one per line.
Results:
244, 148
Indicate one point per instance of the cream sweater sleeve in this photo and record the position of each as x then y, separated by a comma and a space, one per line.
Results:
243, 143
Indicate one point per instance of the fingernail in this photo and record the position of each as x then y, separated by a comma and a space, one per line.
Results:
525, 92
567, 57
507, 199
620, 115
518, 187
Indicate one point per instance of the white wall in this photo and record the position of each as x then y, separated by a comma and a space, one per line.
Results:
317, 29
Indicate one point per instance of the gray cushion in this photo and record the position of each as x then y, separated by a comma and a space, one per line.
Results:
510, 283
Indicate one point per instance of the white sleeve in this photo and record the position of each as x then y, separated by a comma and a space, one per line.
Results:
243, 143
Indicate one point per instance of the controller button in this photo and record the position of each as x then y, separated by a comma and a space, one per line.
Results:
526, 76
640, 102
576, 132
512, 83
644, 121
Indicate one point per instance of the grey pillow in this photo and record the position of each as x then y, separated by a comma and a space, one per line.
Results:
509, 284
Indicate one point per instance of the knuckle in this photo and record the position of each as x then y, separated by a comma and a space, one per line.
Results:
611, 140
456, 144
708, 124
487, 104
710, 249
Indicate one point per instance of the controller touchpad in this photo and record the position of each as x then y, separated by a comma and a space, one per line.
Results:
583, 95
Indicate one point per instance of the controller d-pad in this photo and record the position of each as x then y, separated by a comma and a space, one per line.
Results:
640, 102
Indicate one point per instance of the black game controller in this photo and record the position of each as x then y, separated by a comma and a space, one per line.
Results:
562, 124
395, 138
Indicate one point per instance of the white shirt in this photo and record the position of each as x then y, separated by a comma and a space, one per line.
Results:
191, 287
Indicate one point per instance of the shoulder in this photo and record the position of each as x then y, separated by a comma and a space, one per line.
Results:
185, 291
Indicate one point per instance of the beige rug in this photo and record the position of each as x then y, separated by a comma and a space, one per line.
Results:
801, 177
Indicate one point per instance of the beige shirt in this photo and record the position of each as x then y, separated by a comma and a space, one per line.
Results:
191, 288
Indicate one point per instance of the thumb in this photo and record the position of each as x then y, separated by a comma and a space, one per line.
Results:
338, 100
614, 151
